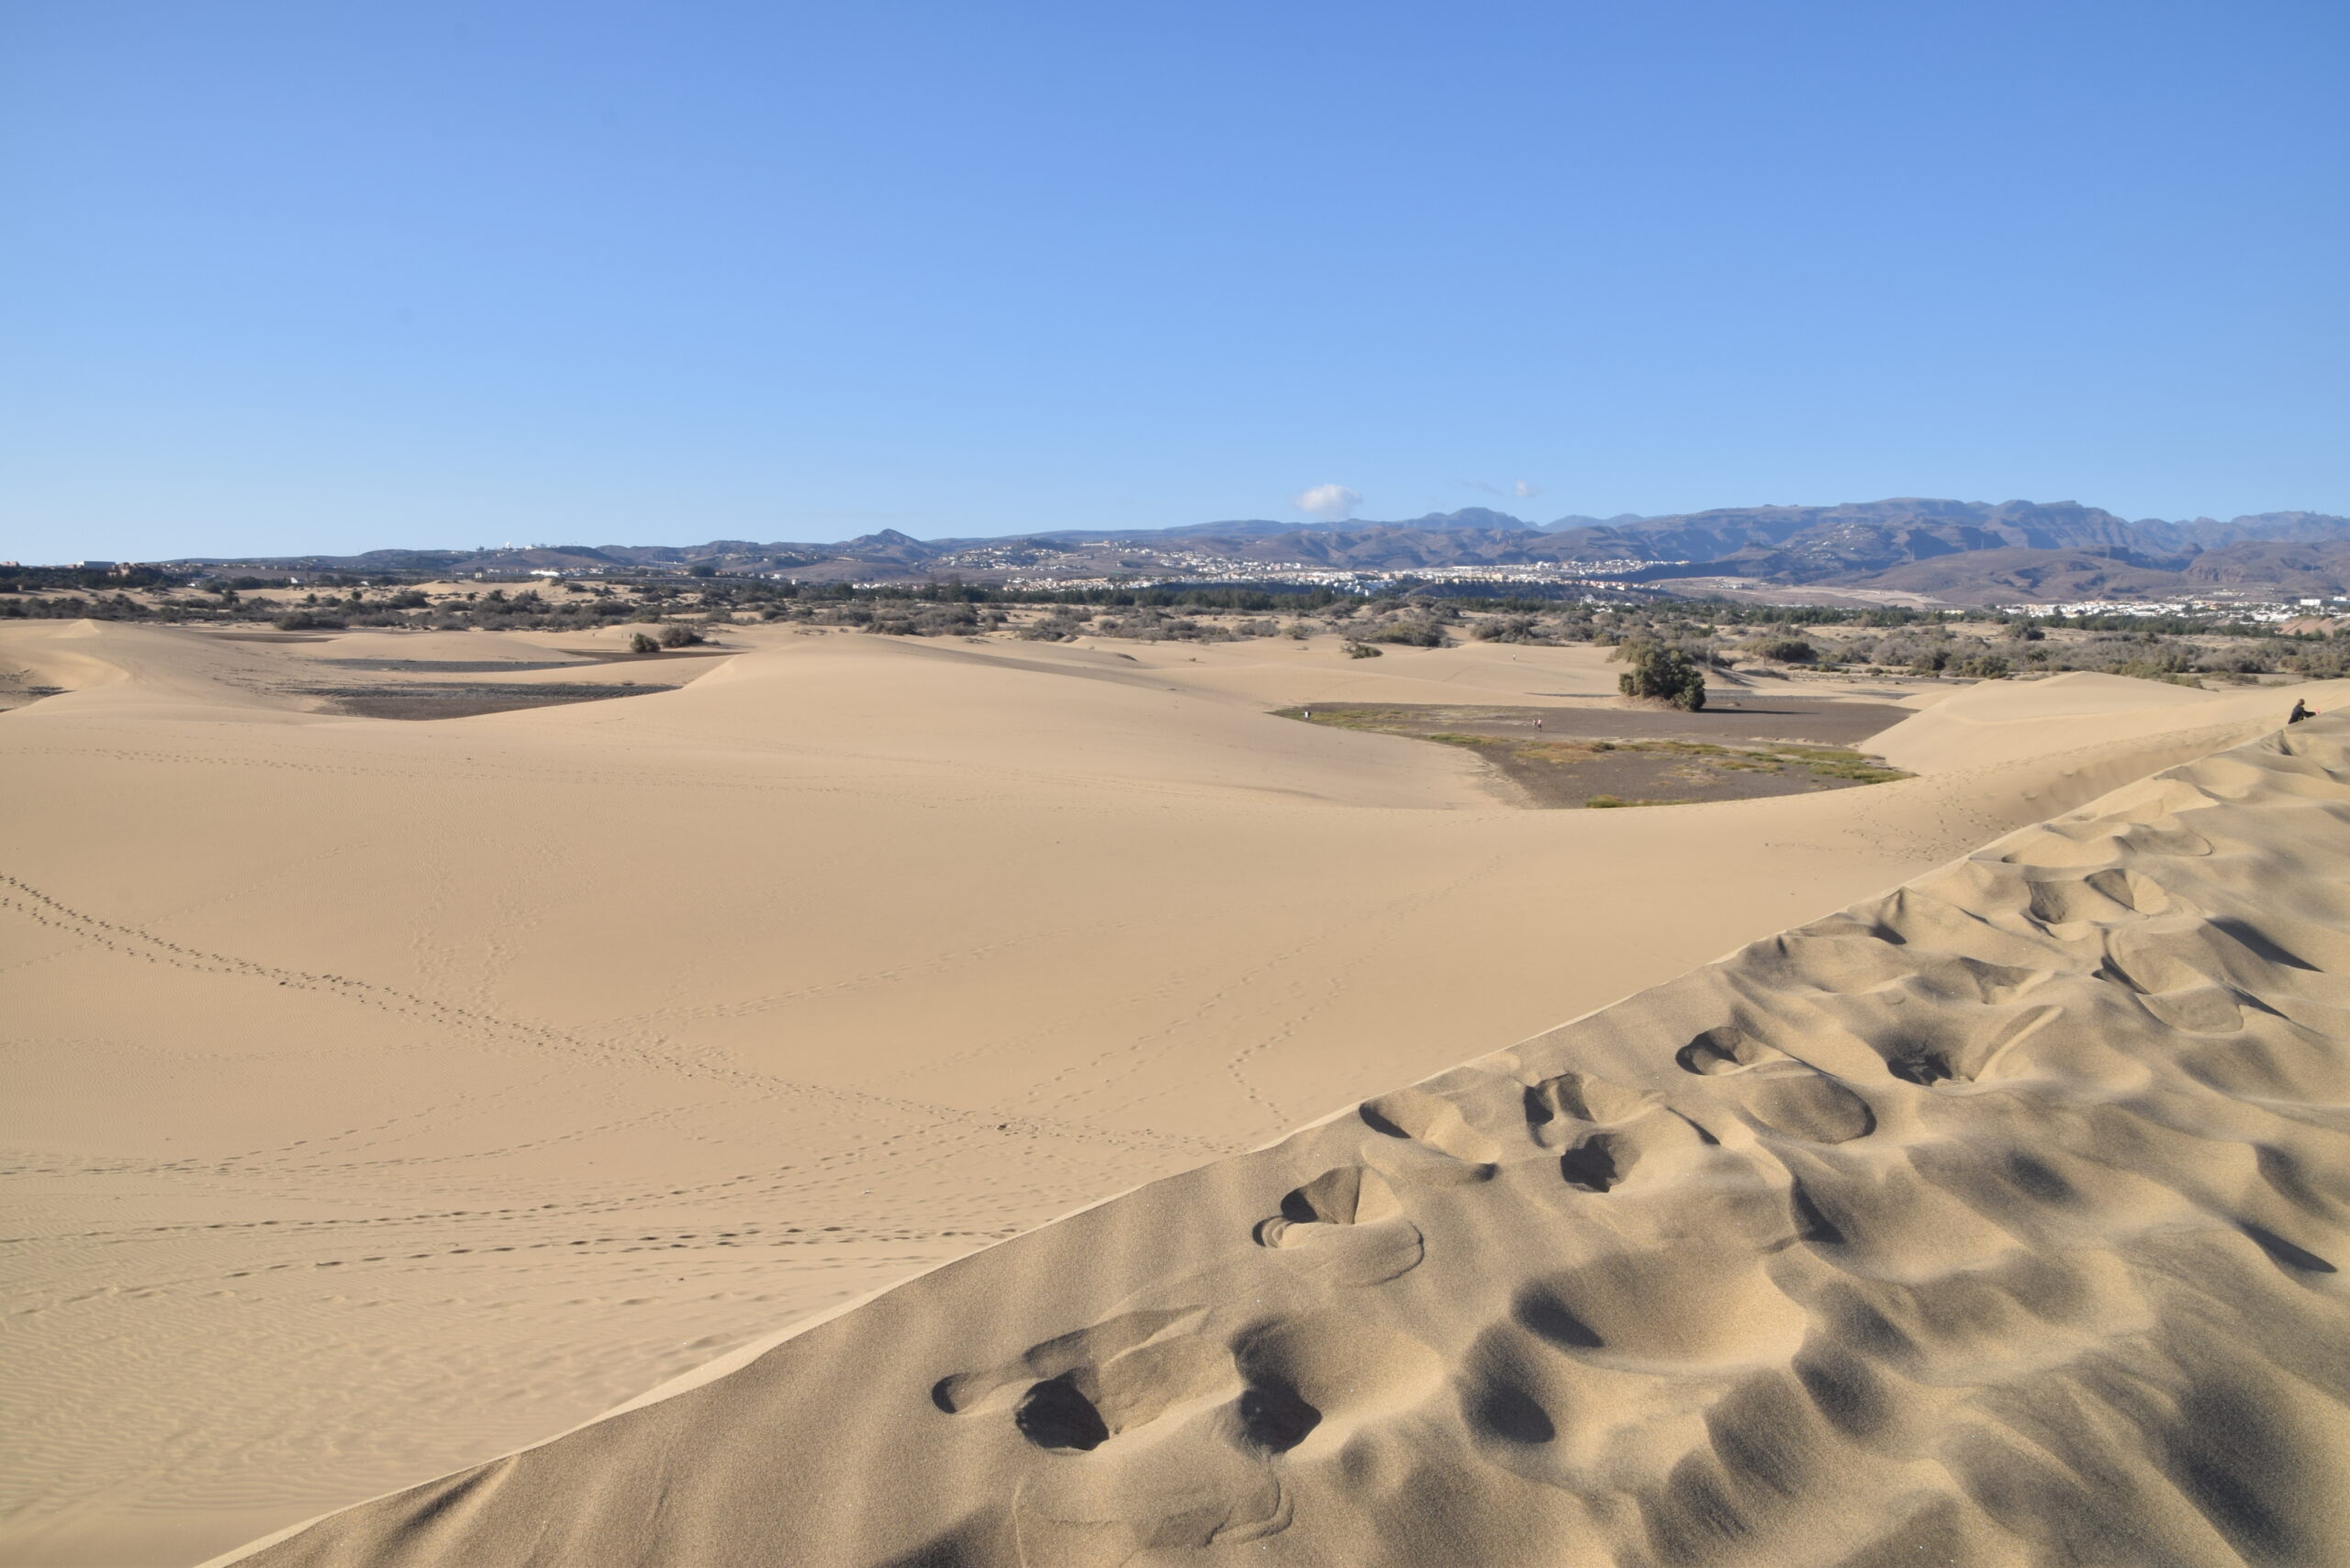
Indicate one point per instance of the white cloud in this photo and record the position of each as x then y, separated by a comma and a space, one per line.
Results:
1525, 491
1333, 501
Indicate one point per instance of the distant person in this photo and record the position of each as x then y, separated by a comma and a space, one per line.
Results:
1538, 721
2300, 711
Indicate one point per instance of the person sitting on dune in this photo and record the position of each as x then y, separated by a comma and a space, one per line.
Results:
2300, 711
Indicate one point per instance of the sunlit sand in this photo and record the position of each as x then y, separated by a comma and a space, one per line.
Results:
388, 1096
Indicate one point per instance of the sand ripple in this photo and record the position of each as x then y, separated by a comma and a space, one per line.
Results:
1999, 1220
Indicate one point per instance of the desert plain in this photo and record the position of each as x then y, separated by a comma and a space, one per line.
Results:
966, 1101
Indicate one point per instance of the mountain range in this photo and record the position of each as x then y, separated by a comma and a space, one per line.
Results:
1961, 551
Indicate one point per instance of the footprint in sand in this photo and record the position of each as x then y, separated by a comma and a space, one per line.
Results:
1348, 1195
1244, 1394
1775, 1091
1600, 1162
1662, 1307
1306, 1385
1555, 1106
1434, 1121
1076, 1392
1591, 1120
1971, 1057
1348, 1219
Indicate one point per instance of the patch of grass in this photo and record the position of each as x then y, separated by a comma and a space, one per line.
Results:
1835, 762
1859, 775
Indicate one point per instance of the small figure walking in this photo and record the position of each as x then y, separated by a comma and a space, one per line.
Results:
1538, 721
2300, 711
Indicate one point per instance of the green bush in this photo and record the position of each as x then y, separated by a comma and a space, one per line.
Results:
1666, 675
676, 636
1785, 651
1361, 651
638, 643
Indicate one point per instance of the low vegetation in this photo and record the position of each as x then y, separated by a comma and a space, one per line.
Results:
1667, 638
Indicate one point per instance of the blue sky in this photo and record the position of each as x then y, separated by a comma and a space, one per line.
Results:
294, 276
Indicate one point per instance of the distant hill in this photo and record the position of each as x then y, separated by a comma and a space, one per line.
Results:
2011, 576
1963, 552
1978, 551
2002, 577
1475, 519
1806, 544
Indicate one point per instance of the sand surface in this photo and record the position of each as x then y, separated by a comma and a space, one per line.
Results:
388, 1095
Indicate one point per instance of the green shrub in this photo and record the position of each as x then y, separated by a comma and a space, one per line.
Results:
1785, 651
1361, 651
638, 643
676, 636
1666, 675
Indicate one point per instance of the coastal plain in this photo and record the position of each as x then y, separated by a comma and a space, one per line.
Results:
387, 1096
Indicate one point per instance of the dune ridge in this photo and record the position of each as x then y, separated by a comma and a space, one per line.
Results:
1998, 1219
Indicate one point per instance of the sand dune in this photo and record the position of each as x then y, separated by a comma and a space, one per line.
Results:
2001, 722
386, 1095
1995, 1220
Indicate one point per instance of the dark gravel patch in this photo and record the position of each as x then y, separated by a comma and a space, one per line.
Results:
1733, 722
1605, 757
511, 667
422, 701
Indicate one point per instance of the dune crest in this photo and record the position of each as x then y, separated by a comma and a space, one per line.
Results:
1999, 1219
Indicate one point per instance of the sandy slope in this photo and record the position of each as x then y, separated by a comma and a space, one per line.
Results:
386, 1095
1992, 1221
